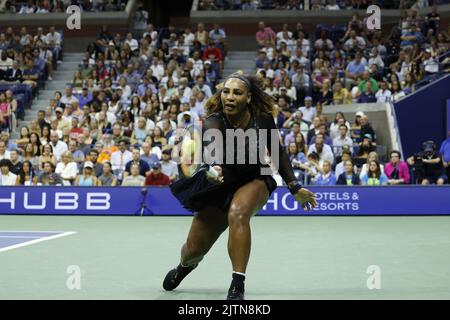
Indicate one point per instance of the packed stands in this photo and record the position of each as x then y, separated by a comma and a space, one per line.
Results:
58, 6
308, 5
343, 65
131, 97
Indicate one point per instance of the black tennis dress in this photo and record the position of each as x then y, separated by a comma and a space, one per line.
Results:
196, 193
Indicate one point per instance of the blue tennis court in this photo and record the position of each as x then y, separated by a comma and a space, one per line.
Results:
15, 239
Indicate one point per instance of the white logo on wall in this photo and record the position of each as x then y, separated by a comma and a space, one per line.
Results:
374, 19
374, 280
328, 201
74, 20
74, 280
58, 201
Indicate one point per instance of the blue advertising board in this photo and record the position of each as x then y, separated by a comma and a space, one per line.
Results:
336, 201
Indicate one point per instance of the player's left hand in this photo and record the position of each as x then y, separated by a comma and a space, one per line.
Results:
306, 198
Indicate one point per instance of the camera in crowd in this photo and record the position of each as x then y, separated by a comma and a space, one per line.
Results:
428, 152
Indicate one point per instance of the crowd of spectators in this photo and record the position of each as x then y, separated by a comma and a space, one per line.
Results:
310, 5
351, 64
119, 120
125, 110
26, 61
59, 6
346, 65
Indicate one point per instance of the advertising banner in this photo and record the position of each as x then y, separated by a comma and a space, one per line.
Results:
335, 201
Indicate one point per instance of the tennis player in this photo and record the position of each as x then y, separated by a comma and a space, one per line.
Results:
239, 191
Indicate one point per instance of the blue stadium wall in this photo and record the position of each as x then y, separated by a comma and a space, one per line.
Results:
421, 116
333, 201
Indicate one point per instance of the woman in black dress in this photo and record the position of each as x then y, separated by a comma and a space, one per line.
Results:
239, 190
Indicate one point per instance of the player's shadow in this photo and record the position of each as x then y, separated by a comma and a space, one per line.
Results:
194, 294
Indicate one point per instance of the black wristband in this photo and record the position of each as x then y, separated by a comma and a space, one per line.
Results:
295, 188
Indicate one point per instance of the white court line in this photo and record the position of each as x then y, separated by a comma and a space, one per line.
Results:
23, 244
21, 237
28, 231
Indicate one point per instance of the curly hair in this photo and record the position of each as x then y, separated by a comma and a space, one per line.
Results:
260, 101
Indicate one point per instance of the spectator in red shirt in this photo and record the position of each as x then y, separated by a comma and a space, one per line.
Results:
156, 177
76, 130
212, 52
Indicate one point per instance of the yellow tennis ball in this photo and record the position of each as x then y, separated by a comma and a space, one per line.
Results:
188, 146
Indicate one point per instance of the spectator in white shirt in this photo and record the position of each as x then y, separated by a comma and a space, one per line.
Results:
54, 41
375, 58
373, 156
323, 150
303, 43
323, 42
340, 167
27, 8
300, 57
217, 34
126, 89
342, 140
68, 98
186, 111
202, 86
407, 65
40, 35
4, 154
200, 104
53, 38
270, 73
354, 42
308, 110
5, 62
430, 63
397, 92
59, 147
284, 33
7, 178
168, 166
383, 94
189, 37
332, 5
67, 168
134, 45
120, 158
339, 119
197, 61
41, 9
157, 68
152, 33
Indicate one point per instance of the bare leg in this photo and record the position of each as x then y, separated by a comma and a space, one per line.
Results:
206, 228
247, 201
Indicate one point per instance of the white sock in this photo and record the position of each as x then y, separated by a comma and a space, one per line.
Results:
242, 274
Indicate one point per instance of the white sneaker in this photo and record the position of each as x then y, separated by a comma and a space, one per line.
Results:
49, 78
